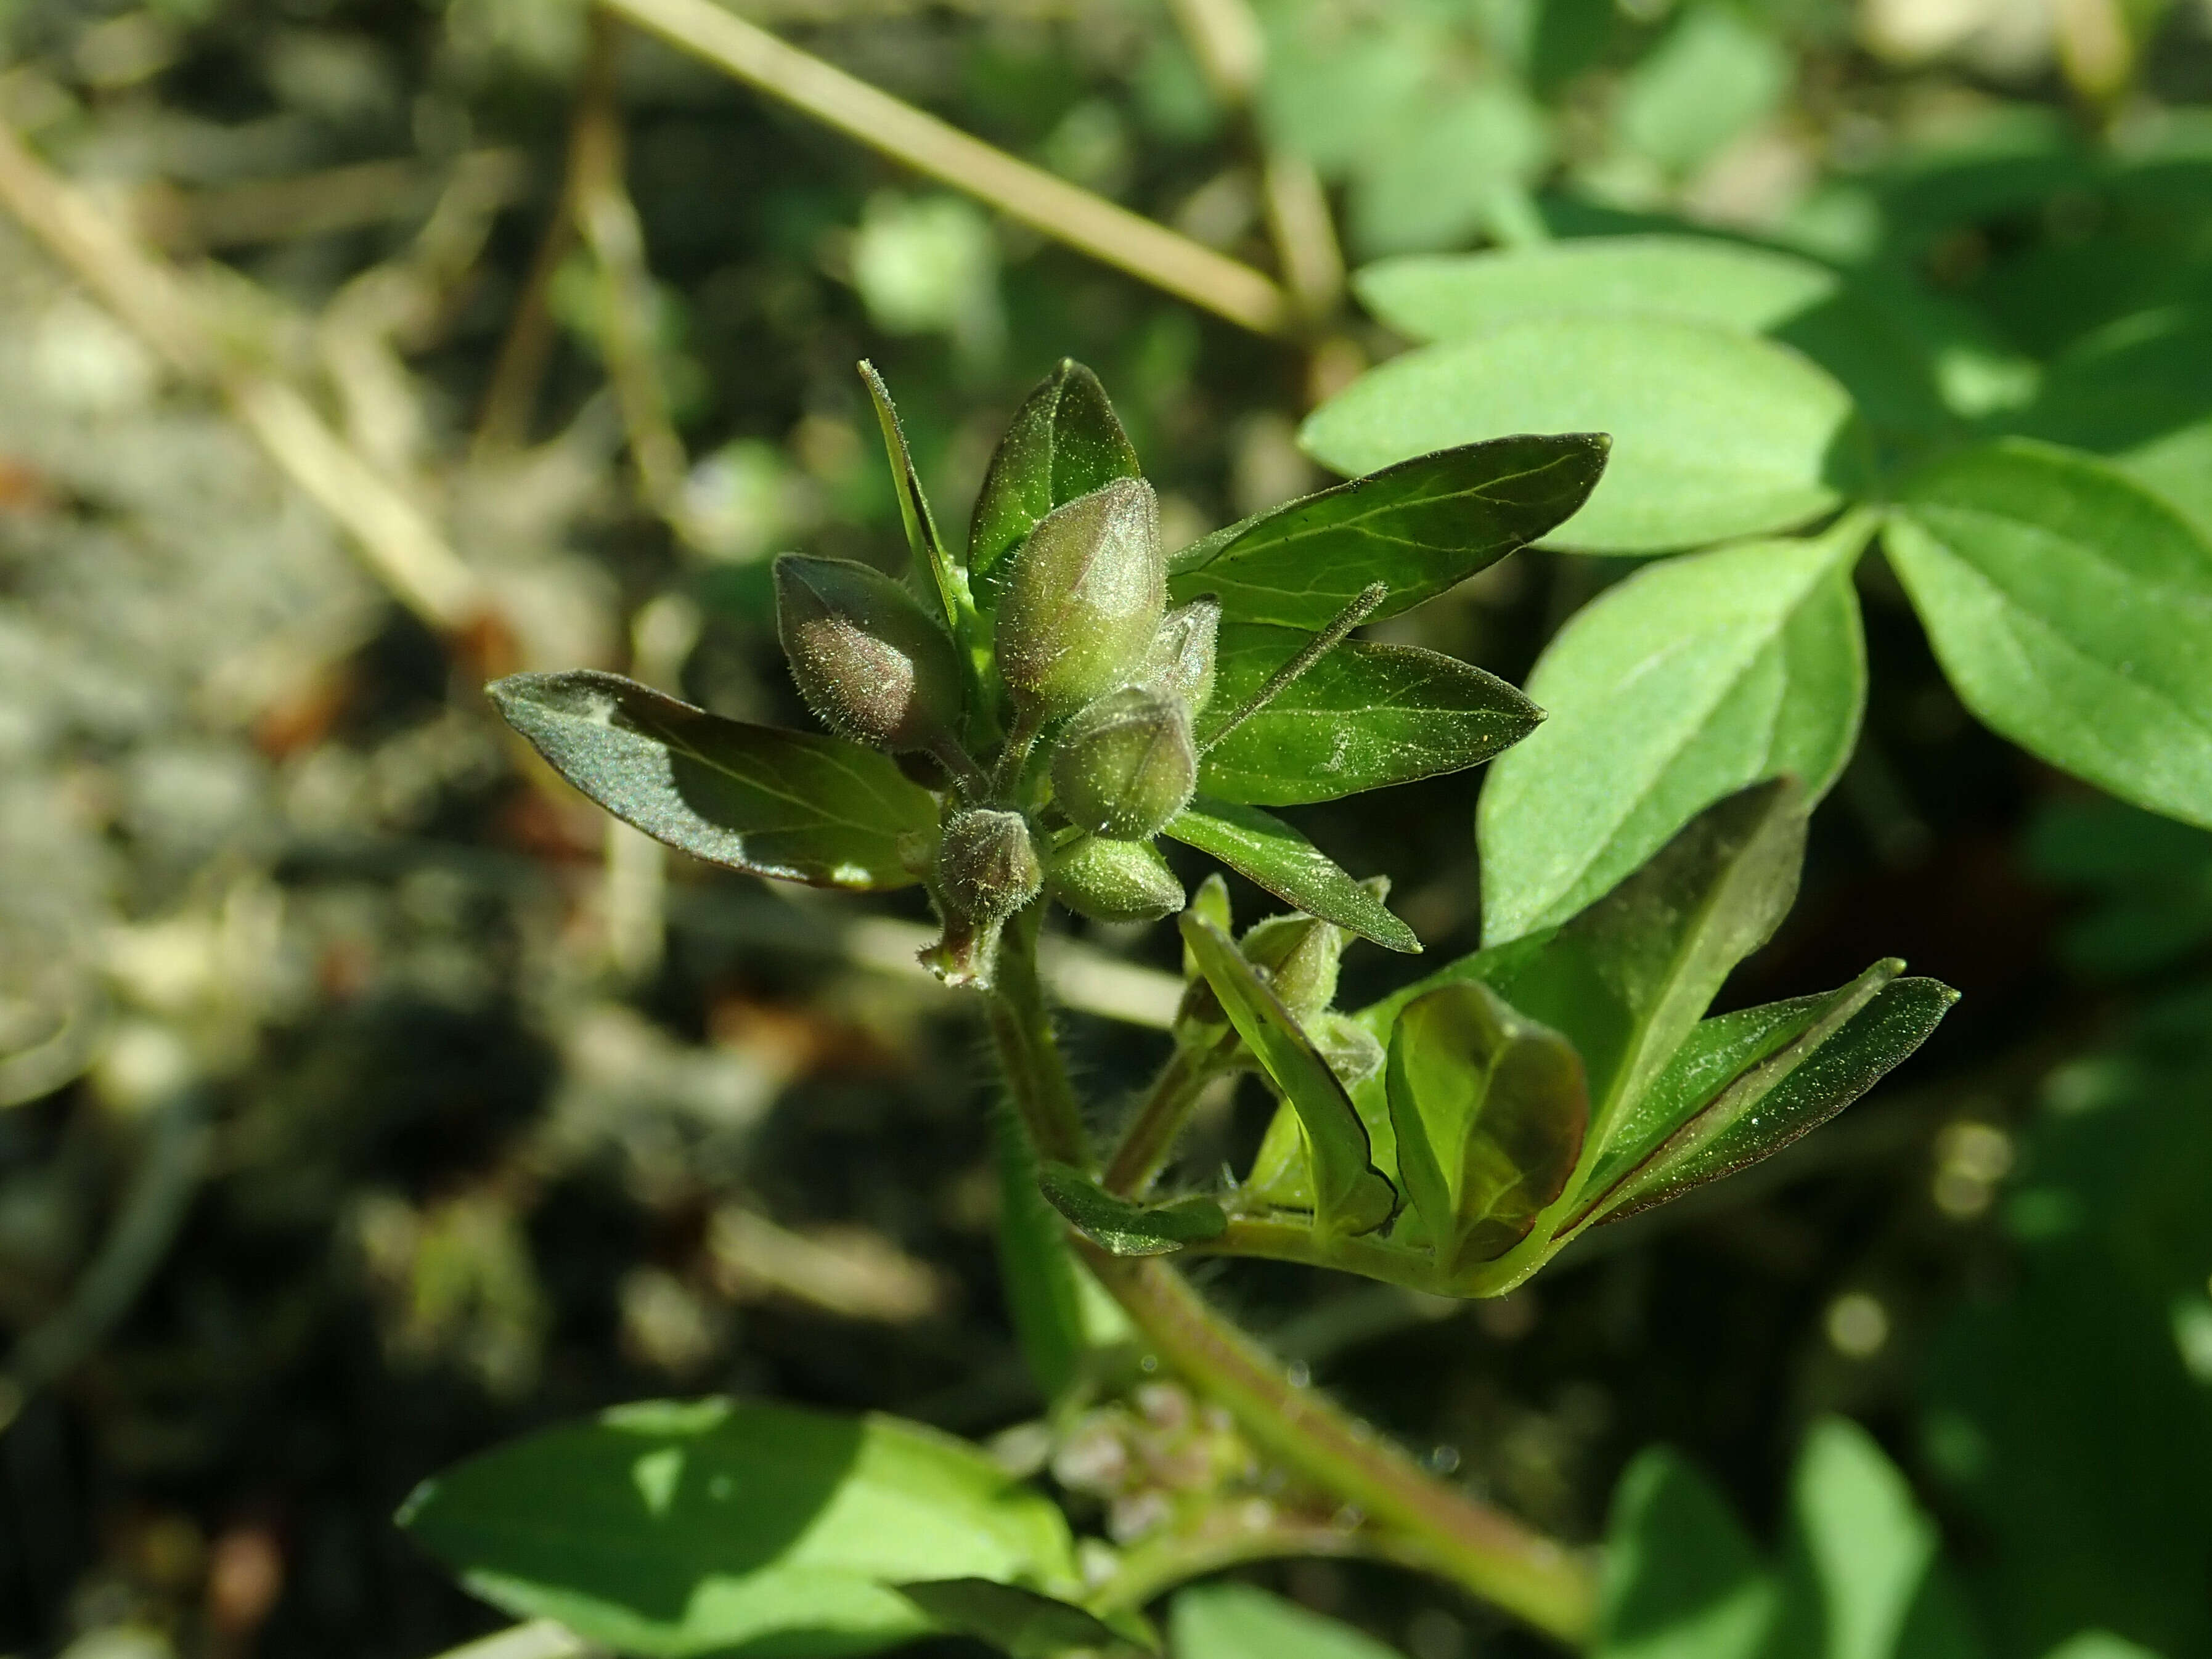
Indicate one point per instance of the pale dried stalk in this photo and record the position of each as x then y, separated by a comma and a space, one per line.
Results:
1147, 251
396, 540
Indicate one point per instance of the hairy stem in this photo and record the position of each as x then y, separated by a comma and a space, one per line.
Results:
1151, 1134
1150, 1569
1490, 1553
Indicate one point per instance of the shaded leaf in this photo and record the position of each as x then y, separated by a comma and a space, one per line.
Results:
1861, 1553
1716, 434
1713, 75
932, 565
1270, 853
1060, 1312
1350, 1194
1242, 1621
1858, 1040
1686, 683
1681, 1581
1420, 526
1124, 1228
2072, 609
1365, 716
1490, 1111
1021, 1622
1063, 442
673, 1530
785, 803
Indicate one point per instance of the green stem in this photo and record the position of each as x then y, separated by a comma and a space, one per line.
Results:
1151, 1134
1149, 1569
1491, 1554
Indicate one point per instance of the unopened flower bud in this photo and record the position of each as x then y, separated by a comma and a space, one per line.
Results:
869, 660
1127, 763
1300, 955
1114, 880
1181, 658
986, 870
1088, 589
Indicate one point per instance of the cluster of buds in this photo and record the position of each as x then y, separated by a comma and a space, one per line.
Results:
1092, 689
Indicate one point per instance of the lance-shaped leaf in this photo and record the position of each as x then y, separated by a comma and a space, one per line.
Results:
785, 803
1789, 1095
1420, 526
1064, 442
1363, 717
1121, 1227
1021, 1622
678, 1529
1268, 852
1350, 1194
1692, 679
2072, 609
1489, 1109
932, 564
1627, 979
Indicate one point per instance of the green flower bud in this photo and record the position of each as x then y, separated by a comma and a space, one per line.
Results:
1088, 589
986, 870
1181, 659
1126, 764
1113, 880
1300, 955
869, 660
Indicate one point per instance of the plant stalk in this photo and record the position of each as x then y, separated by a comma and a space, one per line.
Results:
1536, 1578
1151, 1134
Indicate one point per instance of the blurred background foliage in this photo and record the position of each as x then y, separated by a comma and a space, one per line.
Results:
367, 1099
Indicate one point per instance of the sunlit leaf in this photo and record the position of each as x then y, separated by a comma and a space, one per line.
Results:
1269, 851
1242, 1621
712, 1527
1363, 717
1419, 526
785, 803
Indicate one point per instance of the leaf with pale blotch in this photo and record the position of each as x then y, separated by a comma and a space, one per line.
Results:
790, 804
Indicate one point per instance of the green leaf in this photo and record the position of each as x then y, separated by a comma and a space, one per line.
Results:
1060, 1313
2097, 1644
673, 1530
1716, 434
1861, 1551
1063, 442
1364, 717
1017, 1621
1453, 153
1680, 1581
1350, 1194
1242, 1621
785, 803
1691, 279
2072, 611
1712, 76
1626, 980
932, 565
1490, 1111
1420, 526
1268, 852
1687, 681
1124, 1228
1865, 1031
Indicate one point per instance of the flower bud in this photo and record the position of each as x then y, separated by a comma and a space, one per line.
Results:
1181, 658
870, 661
1113, 880
986, 870
1085, 599
1300, 955
1127, 763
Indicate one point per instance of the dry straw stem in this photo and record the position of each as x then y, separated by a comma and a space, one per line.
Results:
1122, 239
398, 542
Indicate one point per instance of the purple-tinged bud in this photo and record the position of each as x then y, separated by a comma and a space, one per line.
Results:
1126, 764
1113, 880
986, 869
870, 661
1088, 590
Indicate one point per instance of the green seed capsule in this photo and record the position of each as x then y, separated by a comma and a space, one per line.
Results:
1127, 763
869, 660
1088, 590
1181, 658
1113, 880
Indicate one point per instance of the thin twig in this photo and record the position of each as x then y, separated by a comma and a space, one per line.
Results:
396, 541
1049, 204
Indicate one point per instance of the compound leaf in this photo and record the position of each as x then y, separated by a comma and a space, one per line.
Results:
671, 1530
1363, 717
1419, 526
791, 805
1269, 851
1688, 680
